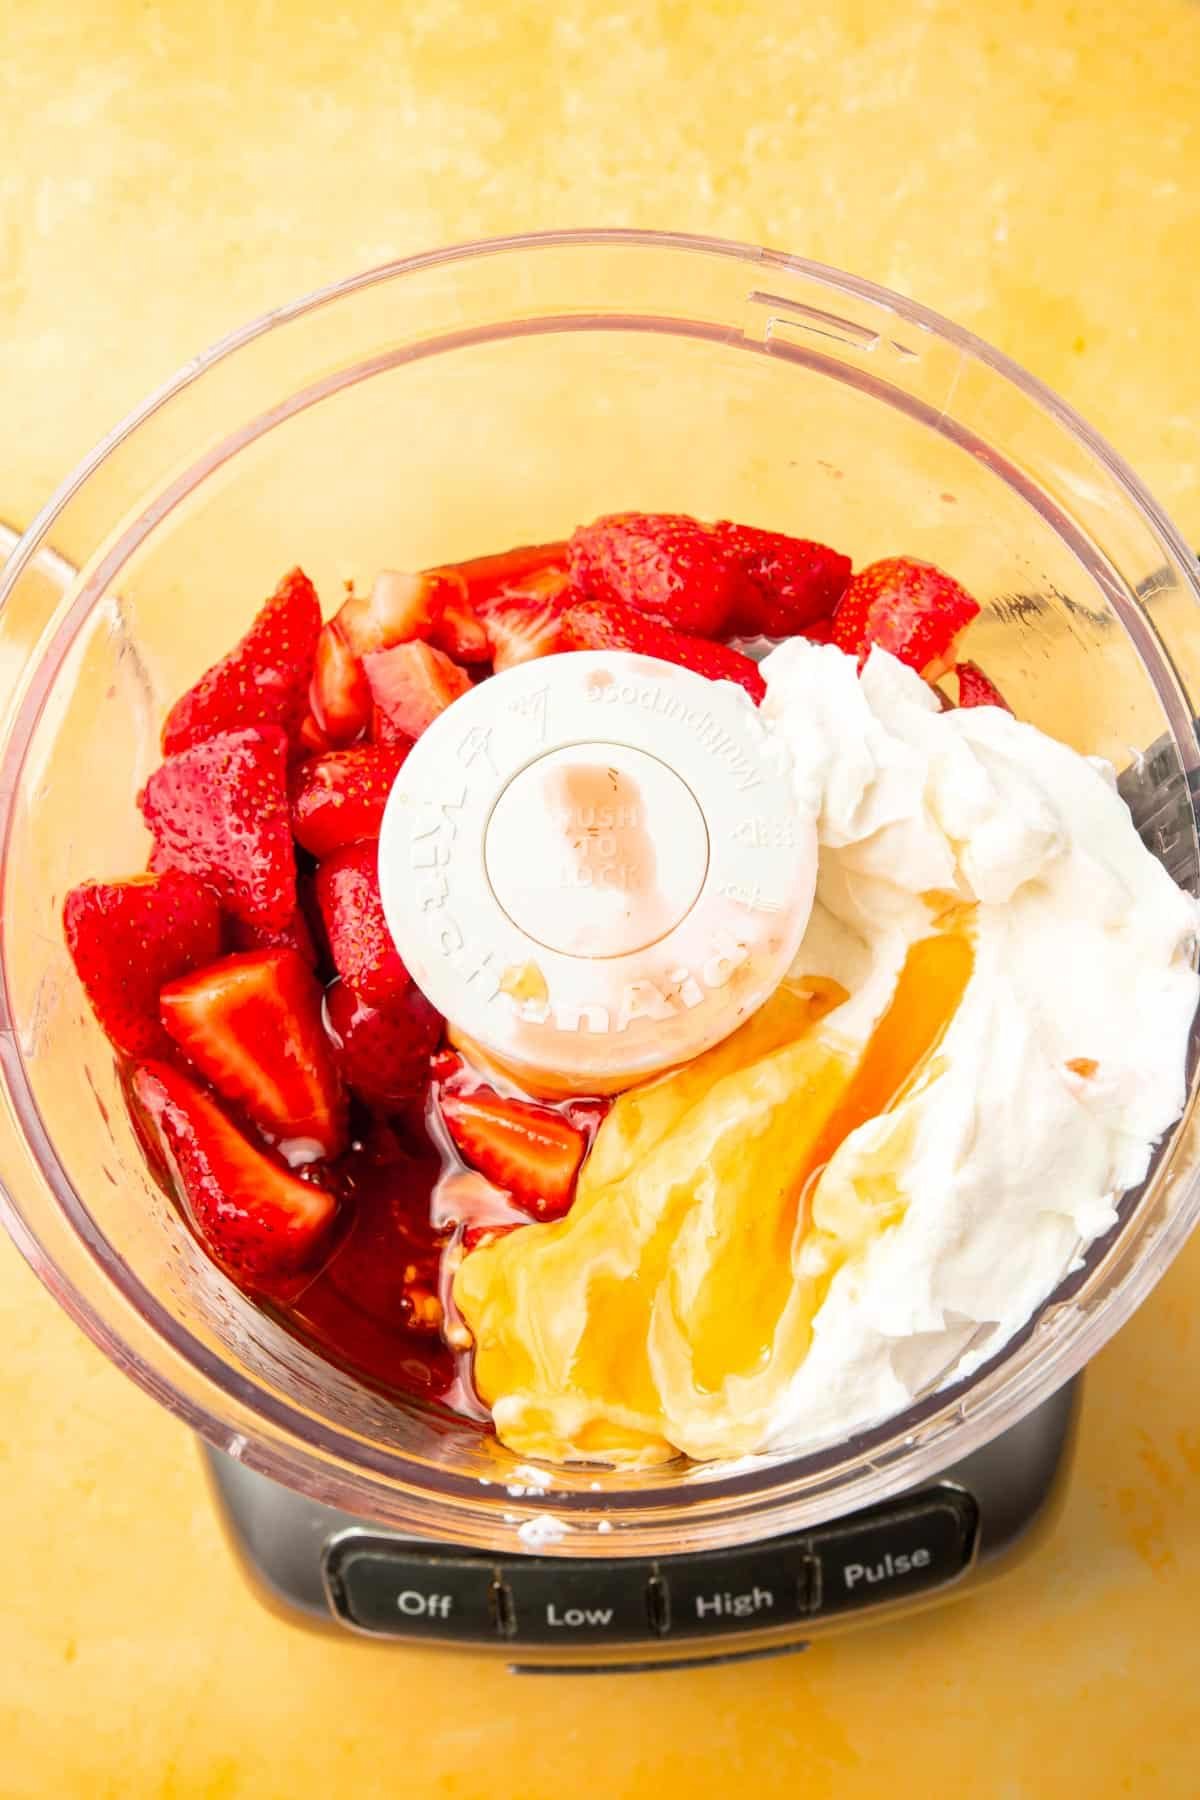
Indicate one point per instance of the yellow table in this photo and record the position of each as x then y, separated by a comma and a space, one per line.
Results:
167, 170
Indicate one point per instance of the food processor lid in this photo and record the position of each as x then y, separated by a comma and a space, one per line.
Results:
595, 866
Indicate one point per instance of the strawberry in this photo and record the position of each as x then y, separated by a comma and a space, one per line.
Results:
400, 607
412, 684
219, 809
531, 1151
977, 689
911, 608
127, 938
665, 564
790, 582
521, 627
295, 935
601, 625
460, 632
255, 1218
339, 695
360, 943
820, 631
263, 681
488, 578
339, 799
310, 739
383, 1056
252, 1025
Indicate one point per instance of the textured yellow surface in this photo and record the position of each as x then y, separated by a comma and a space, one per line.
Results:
168, 170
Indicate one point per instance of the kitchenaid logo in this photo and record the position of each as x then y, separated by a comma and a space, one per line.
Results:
648, 697
669, 998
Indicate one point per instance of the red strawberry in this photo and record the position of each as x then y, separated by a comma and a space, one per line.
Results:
127, 938
665, 564
256, 1218
252, 1025
521, 627
295, 935
310, 739
911, 608
360, 943
530, 1151
600, 625
790, 581
977, 689
264, 681
400, 607
383, 1056
460, 632
219, 809
339, 799
412, 684
491, 577
819, 632
339, 695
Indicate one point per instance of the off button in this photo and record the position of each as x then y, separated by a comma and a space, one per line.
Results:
433, 1596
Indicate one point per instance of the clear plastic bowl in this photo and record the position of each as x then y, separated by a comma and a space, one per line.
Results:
446, 406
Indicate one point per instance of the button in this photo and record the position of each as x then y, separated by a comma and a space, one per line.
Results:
380, 1589
888, 1554
553, 1602
736, 1590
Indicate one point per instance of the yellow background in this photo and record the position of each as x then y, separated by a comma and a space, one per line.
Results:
167, 171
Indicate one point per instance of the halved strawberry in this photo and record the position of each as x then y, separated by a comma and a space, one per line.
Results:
412, 684
521, 627
491, 577
400, 607
912, 609
791, 582
665, 564
603, 625
252, 1024
530, 1151
339, 799
255, 1218
383, 1056
977, 689
339, 695
127, 938
263, 681
295, 935
219, 809
347, 889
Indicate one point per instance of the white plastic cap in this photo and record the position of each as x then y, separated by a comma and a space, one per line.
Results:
594, 867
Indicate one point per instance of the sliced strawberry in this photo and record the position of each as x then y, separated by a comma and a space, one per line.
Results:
347, 887
790, 583
977, 689
530, 1151
460, 633
912, 609
264, 681
522, 627
665, 564
295, 935
255, 1218
339, 799
602, 625
339, 695
219, 809
252, 1025
400, 607
412, 684
383, 1056
491, 577
127, 938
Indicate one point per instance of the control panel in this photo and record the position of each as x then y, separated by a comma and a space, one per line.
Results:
395, 1588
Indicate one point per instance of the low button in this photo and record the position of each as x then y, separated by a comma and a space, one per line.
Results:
413, 1596
897, 1551
554, 1602
737, 1590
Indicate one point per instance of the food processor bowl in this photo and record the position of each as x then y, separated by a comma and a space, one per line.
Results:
443, 407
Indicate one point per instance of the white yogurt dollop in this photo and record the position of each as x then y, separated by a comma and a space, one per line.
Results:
1013, 1160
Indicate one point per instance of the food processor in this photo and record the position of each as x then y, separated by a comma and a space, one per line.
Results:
425, 412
